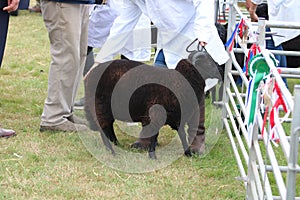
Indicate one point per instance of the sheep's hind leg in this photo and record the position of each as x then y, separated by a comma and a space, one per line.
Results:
158, 117
185, 145
150, 132
107, 135
106, 141
112, 134
151, 152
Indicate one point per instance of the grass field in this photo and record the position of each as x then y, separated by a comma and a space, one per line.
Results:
36, 165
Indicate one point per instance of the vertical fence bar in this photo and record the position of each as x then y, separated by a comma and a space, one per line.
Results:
261, 33
228, 65
252, 186
294, 145
257, 182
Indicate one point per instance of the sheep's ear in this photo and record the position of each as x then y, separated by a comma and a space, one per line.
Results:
205, 65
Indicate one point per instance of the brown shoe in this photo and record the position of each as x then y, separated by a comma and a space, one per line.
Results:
65, 127
77, 120
7, 133
80, 102
36, 9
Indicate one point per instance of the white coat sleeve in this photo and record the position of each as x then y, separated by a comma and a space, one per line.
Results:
120, 32
204, 21
206, 31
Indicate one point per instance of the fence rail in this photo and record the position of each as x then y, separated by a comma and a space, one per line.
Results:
268, 169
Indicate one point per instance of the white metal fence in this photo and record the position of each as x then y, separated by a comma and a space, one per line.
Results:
268, 169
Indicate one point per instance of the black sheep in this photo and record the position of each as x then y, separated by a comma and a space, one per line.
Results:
132, 91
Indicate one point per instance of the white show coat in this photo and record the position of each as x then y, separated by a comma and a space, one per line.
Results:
285, 11
179, 22
102, 17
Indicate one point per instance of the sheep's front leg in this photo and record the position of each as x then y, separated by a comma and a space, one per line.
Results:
158, 116
150, 132
182, 136
196, 130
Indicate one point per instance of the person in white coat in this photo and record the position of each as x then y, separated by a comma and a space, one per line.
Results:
101, 19
179, 23
279, 10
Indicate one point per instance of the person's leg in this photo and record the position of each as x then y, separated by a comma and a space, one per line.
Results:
4, 20
88, 65
89, 60
281, 58
160, 60
67, 28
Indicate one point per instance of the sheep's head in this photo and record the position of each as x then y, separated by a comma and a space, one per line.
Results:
206, 66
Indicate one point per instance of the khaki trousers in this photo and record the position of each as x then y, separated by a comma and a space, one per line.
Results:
67, 26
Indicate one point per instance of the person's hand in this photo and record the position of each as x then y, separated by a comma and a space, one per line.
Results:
248, 4
203, 44
251, 7
12, 5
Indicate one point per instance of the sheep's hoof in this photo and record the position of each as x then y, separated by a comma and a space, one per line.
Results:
152, 155
116, 142
188, 152
139, 145
207, 94
198, 150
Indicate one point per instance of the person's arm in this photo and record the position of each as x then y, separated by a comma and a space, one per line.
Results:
120, 31
12, 5
204, 21
251, 6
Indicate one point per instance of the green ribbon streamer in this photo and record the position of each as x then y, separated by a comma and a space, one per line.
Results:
258, 77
